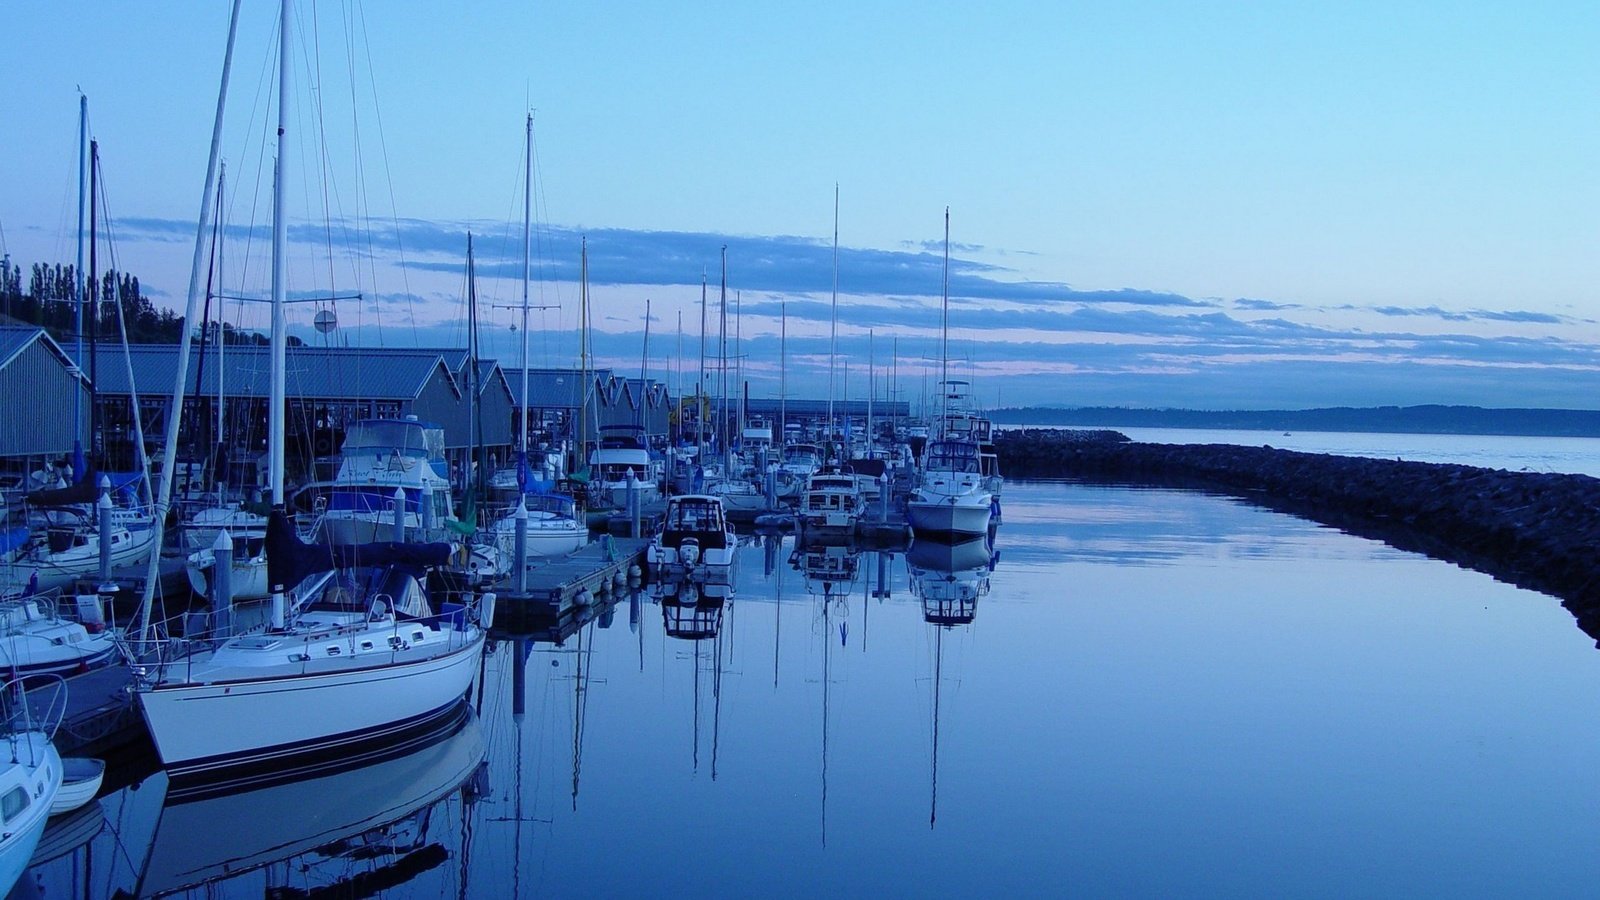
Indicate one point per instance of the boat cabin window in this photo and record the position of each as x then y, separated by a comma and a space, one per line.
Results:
13, 803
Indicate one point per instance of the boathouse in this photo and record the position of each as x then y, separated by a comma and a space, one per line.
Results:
39, 389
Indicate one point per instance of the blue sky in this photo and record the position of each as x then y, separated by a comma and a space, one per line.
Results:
1153, 204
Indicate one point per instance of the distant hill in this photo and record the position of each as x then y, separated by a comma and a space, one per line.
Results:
1430, 419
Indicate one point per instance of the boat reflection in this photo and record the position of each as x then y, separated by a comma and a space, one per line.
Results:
356, 832
693, 612
828, 570
949, 578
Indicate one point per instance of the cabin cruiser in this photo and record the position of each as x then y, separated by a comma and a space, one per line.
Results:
950, 501
623, 453
381, 457
831, 503
695, 542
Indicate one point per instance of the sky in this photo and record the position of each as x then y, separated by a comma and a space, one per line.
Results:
1219, 206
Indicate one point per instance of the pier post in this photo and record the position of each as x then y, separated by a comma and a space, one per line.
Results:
103, 522
222, 584
633, 505
772, 488
519, 554
884, 496
883, 575
399, 533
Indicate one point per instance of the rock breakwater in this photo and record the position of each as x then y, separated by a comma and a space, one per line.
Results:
1534, 530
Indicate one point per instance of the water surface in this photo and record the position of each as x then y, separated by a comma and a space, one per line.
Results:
1160, 693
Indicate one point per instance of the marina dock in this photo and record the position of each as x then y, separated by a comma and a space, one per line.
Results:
99, 717
557, 585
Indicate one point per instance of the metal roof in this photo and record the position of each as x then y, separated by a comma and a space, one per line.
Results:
16, 338
333, 373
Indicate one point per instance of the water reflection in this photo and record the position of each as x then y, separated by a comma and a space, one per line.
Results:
693, 612
949, 578
352, 832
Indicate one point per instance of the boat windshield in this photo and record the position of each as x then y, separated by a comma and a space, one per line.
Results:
690, 516
410, 438
953, 456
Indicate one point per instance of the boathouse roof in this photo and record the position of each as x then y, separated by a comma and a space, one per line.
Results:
334, 373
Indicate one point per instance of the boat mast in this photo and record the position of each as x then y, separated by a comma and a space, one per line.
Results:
79, 469
783, 372
944, 330
276, 421
833, 336
169, 447
527, 262
644, 366
475, 417
700, 386
722, 366
93, 289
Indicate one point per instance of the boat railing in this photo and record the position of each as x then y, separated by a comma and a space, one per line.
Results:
32, 703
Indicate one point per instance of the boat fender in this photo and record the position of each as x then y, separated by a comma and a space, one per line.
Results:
486, 609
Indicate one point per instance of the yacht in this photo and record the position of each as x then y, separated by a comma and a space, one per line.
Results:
831, 503
950, 500
622, 452
378, 458
37, 639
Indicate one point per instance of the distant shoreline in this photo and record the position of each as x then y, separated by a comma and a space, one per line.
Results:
1427, 419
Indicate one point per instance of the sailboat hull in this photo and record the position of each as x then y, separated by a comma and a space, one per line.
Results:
227, 729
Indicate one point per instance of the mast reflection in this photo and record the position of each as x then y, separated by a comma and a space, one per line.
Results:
948, 579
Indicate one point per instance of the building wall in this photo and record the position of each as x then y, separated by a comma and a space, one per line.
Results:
36, 402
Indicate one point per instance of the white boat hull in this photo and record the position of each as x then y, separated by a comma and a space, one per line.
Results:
203, 730
957, 515
32, 765
81, 778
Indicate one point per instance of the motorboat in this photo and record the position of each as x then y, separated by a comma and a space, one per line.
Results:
950, 500
621, 460
384, 462
831, 503
695, 542
949, 579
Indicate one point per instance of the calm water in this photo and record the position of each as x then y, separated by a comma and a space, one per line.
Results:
1493, 451
1159, 694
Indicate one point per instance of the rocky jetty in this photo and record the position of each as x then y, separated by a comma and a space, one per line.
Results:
1534, 530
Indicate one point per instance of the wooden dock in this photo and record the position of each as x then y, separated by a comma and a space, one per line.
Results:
581, 578
99, 716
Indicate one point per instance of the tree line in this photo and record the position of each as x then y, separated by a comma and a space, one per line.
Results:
50, 301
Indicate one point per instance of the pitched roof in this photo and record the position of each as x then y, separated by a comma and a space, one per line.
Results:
337, 373
16, 338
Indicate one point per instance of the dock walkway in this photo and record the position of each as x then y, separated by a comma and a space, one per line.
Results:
556, 584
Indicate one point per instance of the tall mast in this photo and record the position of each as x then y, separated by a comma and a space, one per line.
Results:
475, 419
527, 262
169, 448
81, 289
833, 331
276, 421
700, 410
92, 289
871, 374
944, 329
644, 365
722, 358
783, 370
222, 328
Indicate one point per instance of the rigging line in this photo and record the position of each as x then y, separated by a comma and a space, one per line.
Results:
383, 145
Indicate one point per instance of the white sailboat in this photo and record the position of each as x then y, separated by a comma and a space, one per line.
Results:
356, 656
552, 523
30, 777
